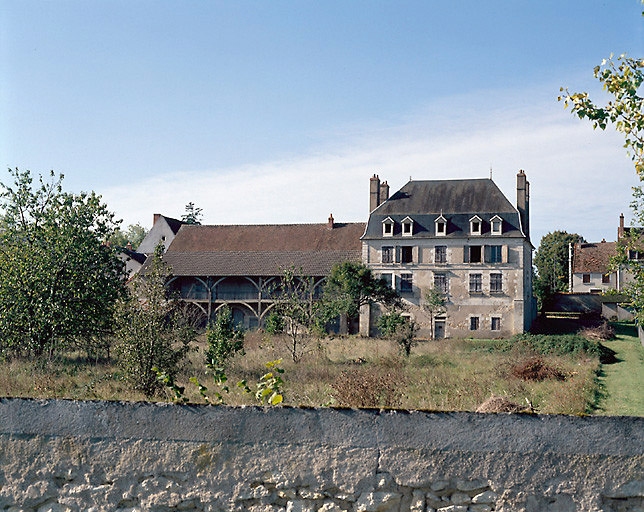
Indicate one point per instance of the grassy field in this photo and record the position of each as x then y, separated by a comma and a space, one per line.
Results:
622, 382
351, 371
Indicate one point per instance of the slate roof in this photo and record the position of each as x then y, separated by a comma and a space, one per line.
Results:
457, 200
589, 258
262, 250
174, 224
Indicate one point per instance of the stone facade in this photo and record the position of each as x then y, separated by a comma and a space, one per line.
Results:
71, 456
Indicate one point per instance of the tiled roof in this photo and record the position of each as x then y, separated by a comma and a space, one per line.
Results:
255, 250
174, 224
593, 257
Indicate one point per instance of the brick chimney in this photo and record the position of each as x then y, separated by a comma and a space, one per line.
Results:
155, 218
129, 246
620, 230
374, 192
330, 224
384, 192
523, 201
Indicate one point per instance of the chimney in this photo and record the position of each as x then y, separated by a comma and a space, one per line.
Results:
523, 201
129, 246
155, 218
620, 230
603, 240
374, 193
330, 224
384, 192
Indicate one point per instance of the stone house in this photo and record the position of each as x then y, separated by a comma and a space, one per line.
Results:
462, 237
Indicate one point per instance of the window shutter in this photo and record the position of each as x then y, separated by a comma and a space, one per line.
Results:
397, 255
397, 283
466, 254
505, 254
415, 254
487, 254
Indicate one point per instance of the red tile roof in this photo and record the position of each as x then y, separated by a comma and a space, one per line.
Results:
593, 257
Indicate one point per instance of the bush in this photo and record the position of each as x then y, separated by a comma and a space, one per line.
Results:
536, 369
369, 387
560, 344
224, 339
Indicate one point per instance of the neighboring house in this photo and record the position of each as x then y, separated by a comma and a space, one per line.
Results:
463, 237
164, 229
240, 265
133, 260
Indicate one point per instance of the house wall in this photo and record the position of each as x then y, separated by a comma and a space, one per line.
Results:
70, 456
578, 285
509, 306
160, 232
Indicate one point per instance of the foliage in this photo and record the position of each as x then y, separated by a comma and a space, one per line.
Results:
270, 385
154, 331
622, 80
134, 235
434, 304
193, 214
274, 323
399, 328
58, 279
352, 285
551, 262
557, 344
224, 339
301, 313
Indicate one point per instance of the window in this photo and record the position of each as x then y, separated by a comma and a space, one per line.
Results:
387, 255
475, 283
441, 226
388, 227
406, 253
407, 226
475, 225
606, 278
472, 254
496, 225
474, 323
387, 278
493, 254
586, 278
496, 323
440, 254
406, 283
496, 283
635, 255
440, 282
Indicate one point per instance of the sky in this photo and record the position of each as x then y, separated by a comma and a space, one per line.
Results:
280, 112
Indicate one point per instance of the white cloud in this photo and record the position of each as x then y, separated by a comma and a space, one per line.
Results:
580, 179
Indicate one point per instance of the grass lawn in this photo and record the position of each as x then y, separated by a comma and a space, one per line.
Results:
622, 382
351, 371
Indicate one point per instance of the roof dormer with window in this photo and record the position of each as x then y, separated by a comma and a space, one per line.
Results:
475, 225
440, 225
496, 225
407, 226
388, 227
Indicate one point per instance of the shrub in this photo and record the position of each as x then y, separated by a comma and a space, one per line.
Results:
224, 339
561, 344
399, 328
535, 368
369, 387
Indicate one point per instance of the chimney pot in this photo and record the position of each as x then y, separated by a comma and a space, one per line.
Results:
128, 246
155, 218
620, 230
331, 224
374, 193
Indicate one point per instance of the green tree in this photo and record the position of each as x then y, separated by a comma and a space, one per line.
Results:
59, 281
622, 80
352, 285
134, 234
434, 304
154, 331
551, 262
224, 339
193, 214
399, 328
297, 311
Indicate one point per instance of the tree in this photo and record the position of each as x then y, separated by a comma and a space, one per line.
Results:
297, 311
134, 235
352, 285
551, 262
59, 281
154, 331
434, 305
224, 339
622, 80
193, 214
399, 328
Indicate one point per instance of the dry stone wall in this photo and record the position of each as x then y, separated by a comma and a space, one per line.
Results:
63, 456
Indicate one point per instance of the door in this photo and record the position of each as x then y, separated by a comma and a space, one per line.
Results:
439, 329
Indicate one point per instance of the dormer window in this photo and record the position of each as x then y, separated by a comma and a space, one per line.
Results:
441, 226
496, 225
475, 225
407, 226
388, 227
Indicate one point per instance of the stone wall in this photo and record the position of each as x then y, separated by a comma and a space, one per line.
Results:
59, 455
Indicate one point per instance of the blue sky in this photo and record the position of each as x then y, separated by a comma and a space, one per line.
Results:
280, 111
